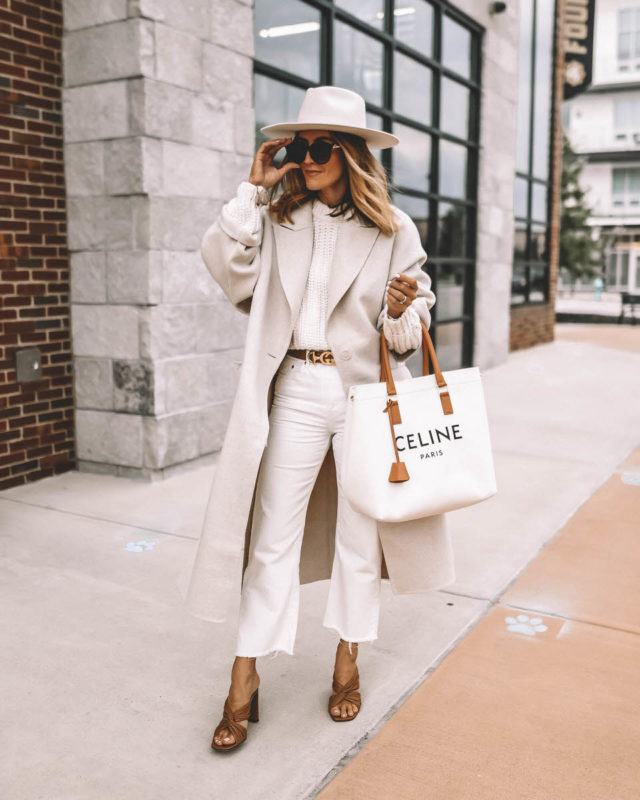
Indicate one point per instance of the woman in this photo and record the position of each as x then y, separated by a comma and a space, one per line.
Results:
352, 268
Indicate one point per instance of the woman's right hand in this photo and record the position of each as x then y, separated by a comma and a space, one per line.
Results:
263, 173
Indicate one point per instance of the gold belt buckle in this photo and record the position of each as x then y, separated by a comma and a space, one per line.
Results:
324, 357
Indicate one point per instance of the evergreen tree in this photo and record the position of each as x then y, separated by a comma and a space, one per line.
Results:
580, 257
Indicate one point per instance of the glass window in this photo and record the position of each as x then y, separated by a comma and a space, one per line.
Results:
413, 25
454, 111
452, 230
520, 243
542, 87
456, 47
450, 299
626, 114
287, 36
537, 284
539, 202
618, 180
369, 11
611, 271
521, 204
538, 243
412, 89
624, 269
626, 186
533, 149
628, 37
525, 44
411, 158
519, 284
449, 350
357, 62
453, 169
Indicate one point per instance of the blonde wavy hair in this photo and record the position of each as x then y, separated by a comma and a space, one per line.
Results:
367, 195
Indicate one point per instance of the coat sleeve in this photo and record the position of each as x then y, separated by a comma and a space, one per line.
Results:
231, 245
408, 256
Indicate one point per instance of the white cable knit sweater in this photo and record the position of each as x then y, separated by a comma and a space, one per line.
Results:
402, 333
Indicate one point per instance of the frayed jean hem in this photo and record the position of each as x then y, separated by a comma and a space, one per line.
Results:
272, 653
355, 640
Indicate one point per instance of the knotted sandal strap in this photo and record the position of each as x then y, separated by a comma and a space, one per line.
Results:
345, 692
231, 719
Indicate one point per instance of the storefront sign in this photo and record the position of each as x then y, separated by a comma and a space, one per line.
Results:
577, 29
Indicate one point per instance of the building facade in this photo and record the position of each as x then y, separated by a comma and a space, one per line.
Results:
603, 126
161, 108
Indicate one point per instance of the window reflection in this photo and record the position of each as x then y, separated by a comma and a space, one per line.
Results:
538, 243
542, 93
454, 111
369, 11
287, 36
534, 115
453, 169
537, 286
357, 63
520, 243
452, 233
524, 85
449, 350
456, 47
450, 297
539, 202
412, 89
413, 25
411, 158
519, 284
521, 202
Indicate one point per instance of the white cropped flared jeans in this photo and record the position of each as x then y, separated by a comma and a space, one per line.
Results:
306, 418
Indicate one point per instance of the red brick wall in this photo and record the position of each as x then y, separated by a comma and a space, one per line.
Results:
36, 418
532, 325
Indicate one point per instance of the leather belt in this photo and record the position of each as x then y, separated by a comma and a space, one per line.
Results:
314, 356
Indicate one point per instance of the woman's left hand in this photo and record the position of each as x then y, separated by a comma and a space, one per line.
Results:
401, 286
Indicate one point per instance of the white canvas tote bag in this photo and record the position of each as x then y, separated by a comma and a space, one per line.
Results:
417, 447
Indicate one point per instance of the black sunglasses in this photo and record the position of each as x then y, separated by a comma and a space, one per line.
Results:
320, 150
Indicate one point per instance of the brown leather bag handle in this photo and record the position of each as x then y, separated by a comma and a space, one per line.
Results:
427, 350
399, 471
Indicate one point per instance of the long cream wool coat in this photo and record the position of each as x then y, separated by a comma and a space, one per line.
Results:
264, 275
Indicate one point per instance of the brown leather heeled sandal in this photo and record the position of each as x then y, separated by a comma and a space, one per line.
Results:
231, 720
345, 691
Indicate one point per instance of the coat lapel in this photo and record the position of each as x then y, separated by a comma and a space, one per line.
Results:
294, 246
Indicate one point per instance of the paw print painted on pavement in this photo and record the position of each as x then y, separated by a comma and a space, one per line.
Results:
138, 547
525, 624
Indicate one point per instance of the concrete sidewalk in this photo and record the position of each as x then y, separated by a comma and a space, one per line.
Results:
111, 690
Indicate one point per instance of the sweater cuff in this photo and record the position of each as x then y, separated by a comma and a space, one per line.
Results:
241, 214
404, 332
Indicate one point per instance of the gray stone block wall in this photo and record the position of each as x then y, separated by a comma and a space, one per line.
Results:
157, 137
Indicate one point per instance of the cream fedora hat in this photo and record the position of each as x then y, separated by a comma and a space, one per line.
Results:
332, 108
